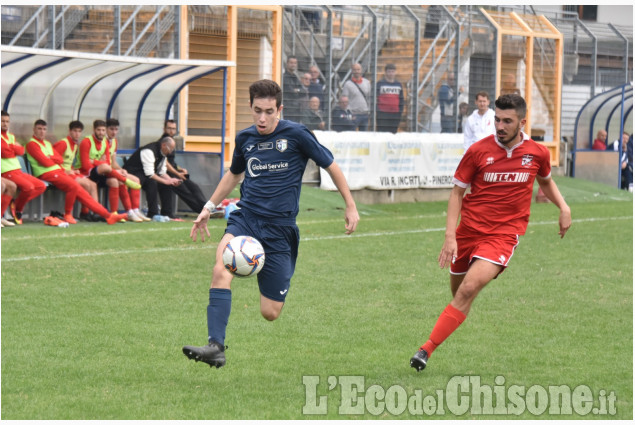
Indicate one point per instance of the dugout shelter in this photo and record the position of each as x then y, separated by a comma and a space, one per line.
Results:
62, 86
612, 111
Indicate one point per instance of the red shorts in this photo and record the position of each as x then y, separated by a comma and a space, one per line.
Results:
497, 249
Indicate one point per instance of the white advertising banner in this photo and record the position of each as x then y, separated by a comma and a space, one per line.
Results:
393, 161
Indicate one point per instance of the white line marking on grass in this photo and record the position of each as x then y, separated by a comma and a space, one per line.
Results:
102, 253
305, 239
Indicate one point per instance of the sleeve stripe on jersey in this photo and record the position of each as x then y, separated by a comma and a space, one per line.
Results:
459, 183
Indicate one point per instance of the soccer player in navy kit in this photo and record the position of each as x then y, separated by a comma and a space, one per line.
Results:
271, 155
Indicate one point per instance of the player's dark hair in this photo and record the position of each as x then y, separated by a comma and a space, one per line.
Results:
99, 123
4, 113
482, 94
39, 122
265, 89
166, 122
112, 122
292, 57
75, 124
512, 101
390, 66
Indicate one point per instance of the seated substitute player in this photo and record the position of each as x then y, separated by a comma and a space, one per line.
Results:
130, 201
67, 148
46, 164
8, 192
271, 155
94, 161
29, 186
500, 169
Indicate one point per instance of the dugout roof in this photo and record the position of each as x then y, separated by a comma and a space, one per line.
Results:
61, 86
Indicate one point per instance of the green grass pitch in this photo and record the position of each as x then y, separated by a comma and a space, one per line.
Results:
94, 316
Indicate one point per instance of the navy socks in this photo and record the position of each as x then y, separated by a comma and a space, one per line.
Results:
220, 305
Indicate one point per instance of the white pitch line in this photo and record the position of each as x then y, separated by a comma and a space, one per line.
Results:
189, 227
306, 239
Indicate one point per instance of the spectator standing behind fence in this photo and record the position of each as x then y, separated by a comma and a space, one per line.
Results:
357, 89
480, 123
390, 100
312, 117
447, 97
599, 144
463, 115
317, 86
342, 117
29, 186
305, 79
292, 90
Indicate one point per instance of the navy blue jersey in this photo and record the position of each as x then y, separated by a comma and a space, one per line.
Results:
273, 166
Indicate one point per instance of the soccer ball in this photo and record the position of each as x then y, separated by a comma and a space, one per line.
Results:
243, 256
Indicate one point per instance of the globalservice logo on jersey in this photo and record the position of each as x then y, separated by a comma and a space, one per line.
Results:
255, 167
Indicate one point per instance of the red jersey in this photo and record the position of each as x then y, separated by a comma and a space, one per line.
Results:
502, 183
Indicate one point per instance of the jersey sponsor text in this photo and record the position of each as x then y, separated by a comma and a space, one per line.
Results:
510, 177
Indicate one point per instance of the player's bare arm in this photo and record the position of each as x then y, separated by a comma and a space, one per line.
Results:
224, 188
449, 248
351, 214
552, 193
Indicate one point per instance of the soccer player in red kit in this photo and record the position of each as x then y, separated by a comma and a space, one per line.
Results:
94, 161
30, 187
500, 169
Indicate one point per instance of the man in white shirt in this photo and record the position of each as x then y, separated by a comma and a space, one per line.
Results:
480, 123
357, 89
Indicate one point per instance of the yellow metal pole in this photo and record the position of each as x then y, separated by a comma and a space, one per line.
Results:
232, 55
277, 45
184, 53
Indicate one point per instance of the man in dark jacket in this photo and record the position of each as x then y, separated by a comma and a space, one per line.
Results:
188, 191
149, 164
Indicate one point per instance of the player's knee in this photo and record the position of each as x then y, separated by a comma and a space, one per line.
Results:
221, 278
270, 314
467, 291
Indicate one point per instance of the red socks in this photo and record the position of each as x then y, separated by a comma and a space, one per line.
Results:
113, 198
448, 321
135, 198
125, 197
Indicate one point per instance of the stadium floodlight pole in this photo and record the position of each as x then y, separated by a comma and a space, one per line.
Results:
373, 67
414, 110
328, 72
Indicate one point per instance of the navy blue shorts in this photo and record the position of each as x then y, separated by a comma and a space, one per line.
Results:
100, 179
280, 242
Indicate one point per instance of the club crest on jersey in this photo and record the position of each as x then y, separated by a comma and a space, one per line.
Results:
527, 160
281, 145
